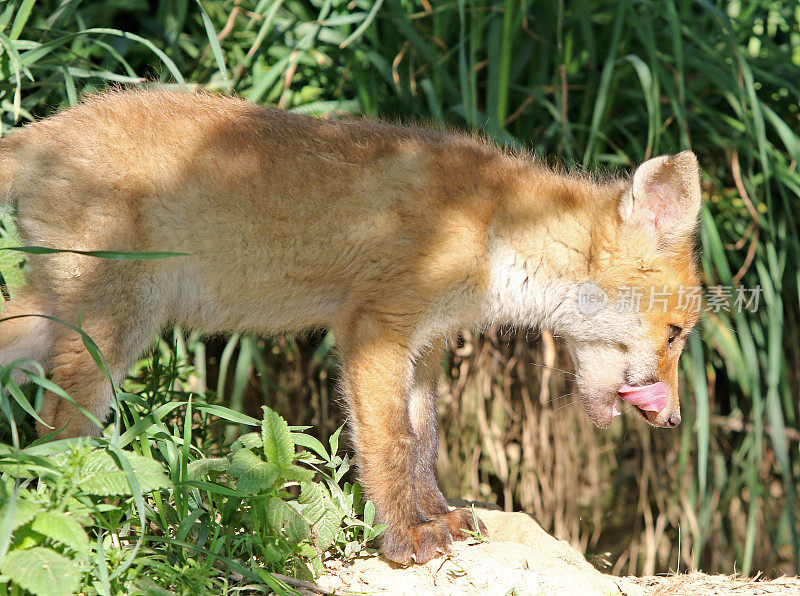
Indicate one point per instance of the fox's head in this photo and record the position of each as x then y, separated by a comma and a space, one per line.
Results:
642, 295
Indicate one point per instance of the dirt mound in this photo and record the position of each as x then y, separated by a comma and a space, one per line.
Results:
521, 558
519, 555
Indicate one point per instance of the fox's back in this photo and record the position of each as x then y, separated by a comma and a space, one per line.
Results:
295, 209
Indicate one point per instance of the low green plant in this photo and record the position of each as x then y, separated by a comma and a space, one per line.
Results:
51, 505
144, 508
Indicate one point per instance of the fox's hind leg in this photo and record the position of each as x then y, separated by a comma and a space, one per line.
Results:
122, 327
74, 369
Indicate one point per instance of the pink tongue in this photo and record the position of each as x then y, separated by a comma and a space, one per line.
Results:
652, 398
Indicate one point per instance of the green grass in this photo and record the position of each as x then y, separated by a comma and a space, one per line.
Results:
593, 84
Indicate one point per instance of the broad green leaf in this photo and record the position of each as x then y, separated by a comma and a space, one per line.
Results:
369, 513
297, 474
62, 528
321, 512
42, 571
281, 516
24, 511
252, 474
101, 476
249, 441
277, 439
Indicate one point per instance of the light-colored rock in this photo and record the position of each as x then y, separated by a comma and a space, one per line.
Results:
519, 556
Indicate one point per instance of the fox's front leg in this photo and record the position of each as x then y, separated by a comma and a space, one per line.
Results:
422, 407
377, 375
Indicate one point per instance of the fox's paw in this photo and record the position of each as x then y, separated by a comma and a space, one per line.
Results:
417, 544
462, 521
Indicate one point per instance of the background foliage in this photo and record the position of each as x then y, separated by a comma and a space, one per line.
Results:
593, 84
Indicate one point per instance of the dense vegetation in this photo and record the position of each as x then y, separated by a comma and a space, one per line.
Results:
591, 84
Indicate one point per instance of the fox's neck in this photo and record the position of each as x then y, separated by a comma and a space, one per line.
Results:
542, 244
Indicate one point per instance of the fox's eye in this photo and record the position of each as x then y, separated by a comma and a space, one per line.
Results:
674, 330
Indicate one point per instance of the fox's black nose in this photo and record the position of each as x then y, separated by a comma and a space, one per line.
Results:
674, 420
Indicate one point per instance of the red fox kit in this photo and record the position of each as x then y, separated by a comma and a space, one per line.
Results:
392, 237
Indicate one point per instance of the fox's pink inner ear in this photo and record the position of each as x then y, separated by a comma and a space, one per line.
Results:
665, 197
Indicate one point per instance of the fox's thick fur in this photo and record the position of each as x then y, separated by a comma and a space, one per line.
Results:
392, 237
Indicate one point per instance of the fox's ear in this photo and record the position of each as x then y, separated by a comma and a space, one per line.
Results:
665, 197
